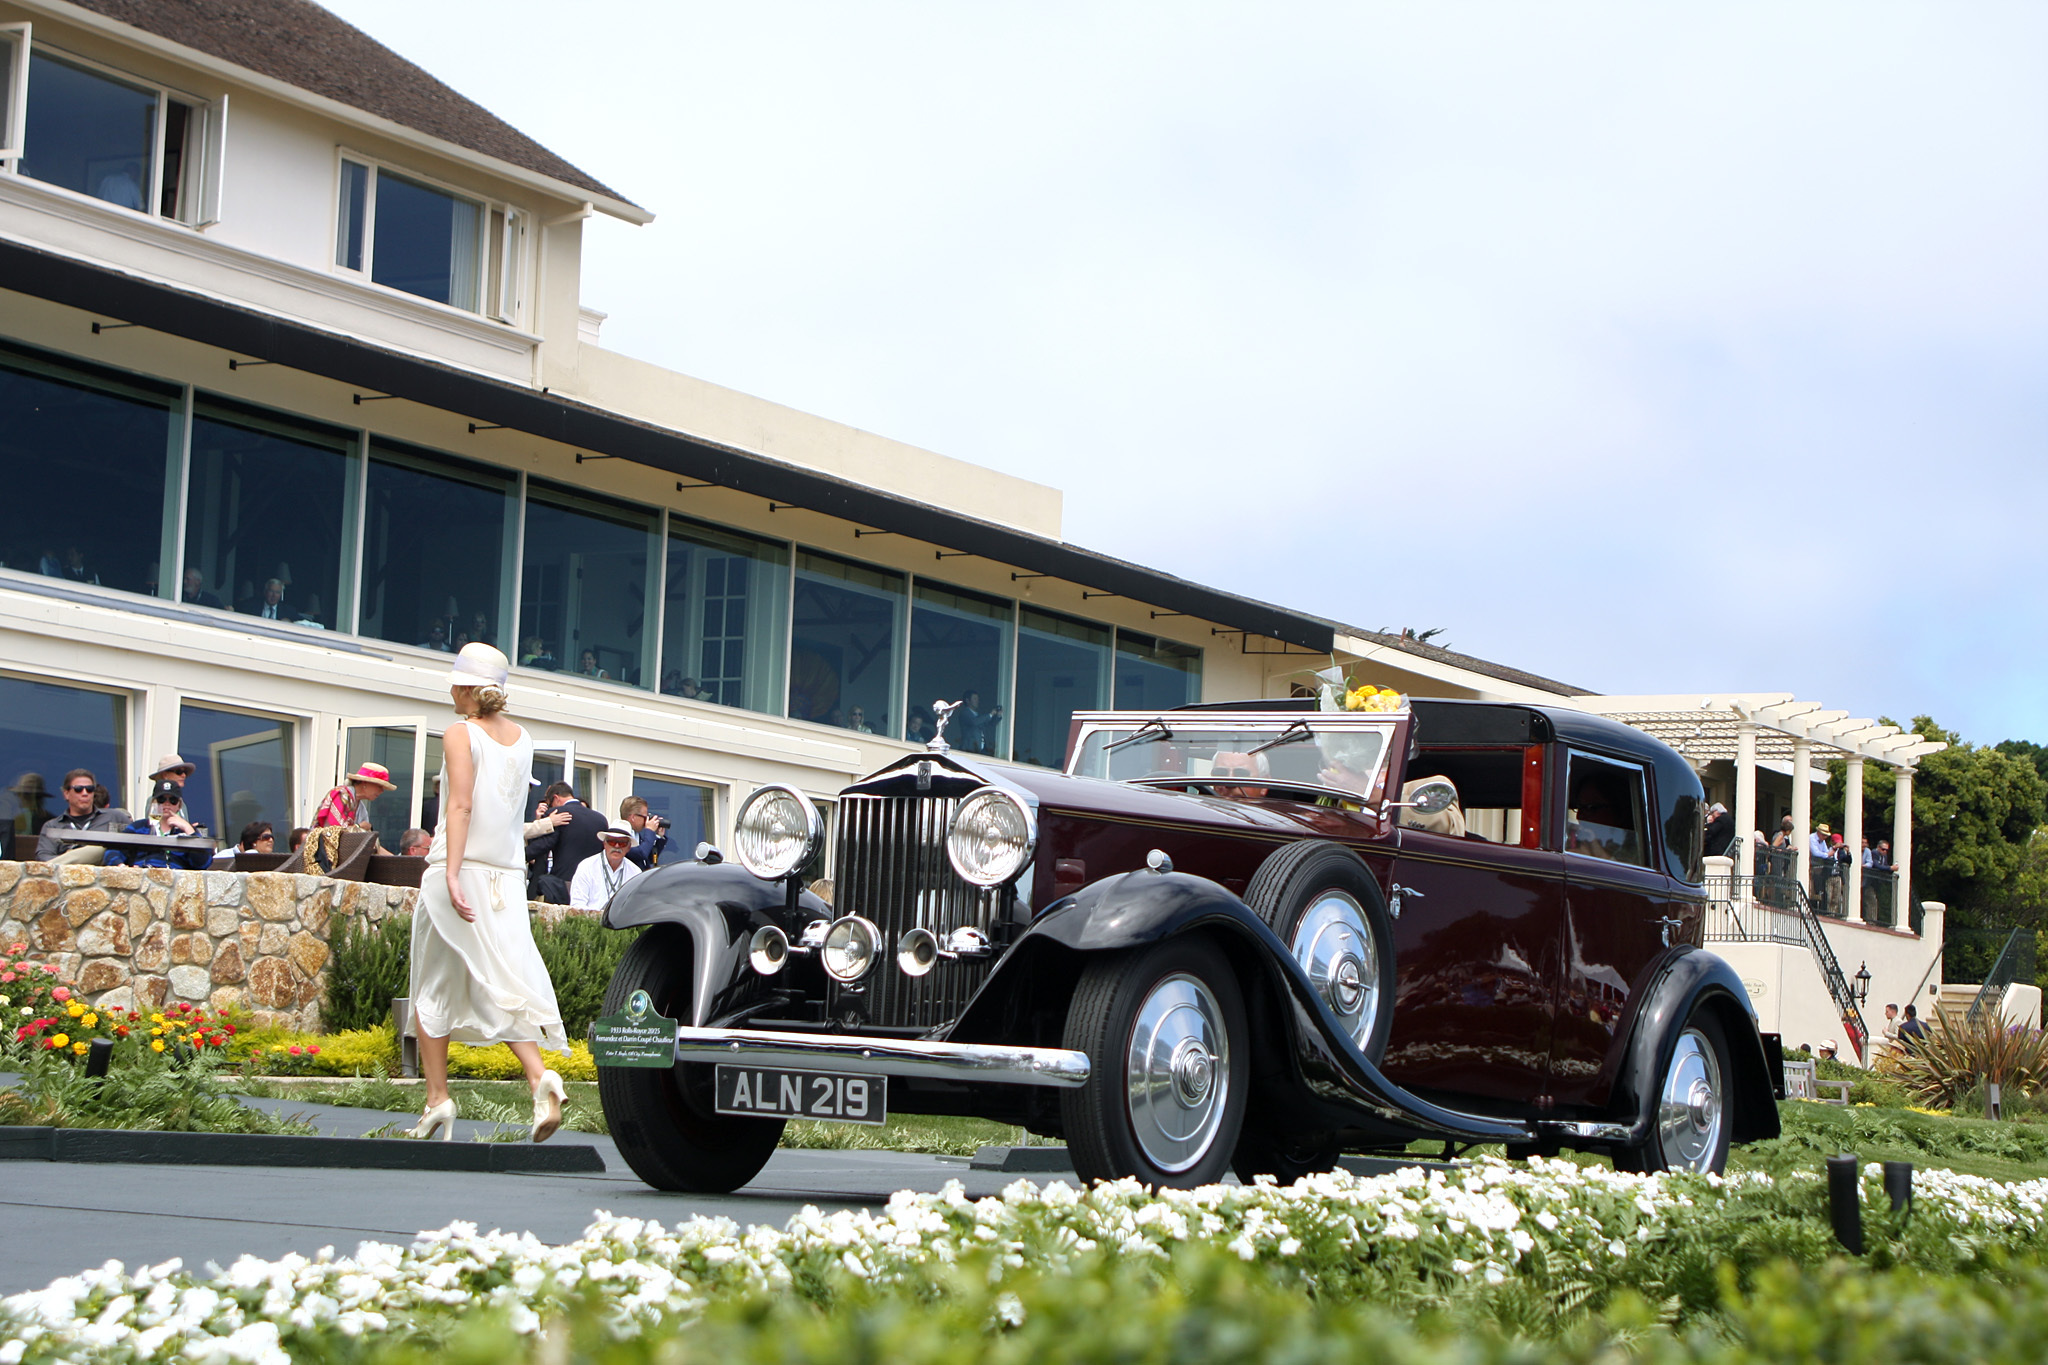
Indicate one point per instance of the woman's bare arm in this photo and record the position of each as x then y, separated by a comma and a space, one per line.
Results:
457, 798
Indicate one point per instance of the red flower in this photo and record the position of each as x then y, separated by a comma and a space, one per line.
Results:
297, 1050
313, 1051
120, 1030
231, 1030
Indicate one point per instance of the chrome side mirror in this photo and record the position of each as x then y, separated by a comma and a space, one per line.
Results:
1430, 798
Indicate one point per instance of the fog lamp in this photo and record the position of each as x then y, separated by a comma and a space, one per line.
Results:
850, 948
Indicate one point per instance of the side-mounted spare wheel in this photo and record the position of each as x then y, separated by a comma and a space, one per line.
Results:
1692, 1121
662, 1121
1322, 902
1164, 1026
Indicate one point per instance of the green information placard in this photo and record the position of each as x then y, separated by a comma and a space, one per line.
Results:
638, 1037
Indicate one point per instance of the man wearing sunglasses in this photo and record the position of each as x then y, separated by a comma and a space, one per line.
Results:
78, 814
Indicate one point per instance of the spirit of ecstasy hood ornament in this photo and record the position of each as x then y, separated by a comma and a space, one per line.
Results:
942, 711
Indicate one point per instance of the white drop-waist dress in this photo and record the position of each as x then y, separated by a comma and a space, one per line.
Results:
482, 981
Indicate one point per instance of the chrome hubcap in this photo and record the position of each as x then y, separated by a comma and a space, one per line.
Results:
1177, 1073
1689, 1112
1334, 946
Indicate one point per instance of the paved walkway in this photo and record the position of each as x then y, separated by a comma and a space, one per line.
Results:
61, 1218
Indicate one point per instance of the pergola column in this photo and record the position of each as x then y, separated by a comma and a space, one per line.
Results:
1902, 847
1852, 836
1745, 800
1802, 810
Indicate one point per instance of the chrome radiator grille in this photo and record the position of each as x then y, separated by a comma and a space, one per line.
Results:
891, 868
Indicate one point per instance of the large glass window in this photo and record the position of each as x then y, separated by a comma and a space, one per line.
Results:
846, 643
47, 729
265, 515
1155, 674
585, 603
685, 805
89, 133
394, 746
960, 652
410, 236
1604, 810
437, 550
1063, 666
84, 456
242, 769
727, 617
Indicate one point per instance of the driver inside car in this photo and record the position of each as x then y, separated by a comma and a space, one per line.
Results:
1231, 764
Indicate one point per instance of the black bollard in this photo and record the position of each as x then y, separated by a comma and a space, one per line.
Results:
1898, 1183
97, 1056
1845, 1202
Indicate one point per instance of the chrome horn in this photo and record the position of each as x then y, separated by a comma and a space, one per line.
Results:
918, 951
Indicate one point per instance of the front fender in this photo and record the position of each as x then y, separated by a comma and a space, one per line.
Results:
1693, 979
718, 906
1138, 908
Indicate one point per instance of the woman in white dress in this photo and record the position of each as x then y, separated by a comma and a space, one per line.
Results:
476, 975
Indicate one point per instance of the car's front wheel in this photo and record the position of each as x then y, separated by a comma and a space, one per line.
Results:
1164, 1026
662, 1120
1690, 1128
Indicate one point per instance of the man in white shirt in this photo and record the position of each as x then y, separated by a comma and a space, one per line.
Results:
598, 879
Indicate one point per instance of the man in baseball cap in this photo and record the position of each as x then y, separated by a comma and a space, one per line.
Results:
598, 879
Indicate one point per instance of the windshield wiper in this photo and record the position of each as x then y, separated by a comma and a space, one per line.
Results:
1292, 734
1151, 729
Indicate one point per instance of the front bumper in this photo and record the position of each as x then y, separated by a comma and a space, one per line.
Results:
995, 1063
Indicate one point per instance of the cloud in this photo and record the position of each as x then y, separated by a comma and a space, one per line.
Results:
1651, 348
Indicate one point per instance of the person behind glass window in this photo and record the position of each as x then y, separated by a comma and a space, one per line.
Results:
437, 636
270, 606
81, 812
195, 589
1229, 763
122, 186
586, 664
857, 721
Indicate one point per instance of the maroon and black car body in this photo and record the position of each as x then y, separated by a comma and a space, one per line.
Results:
1250, 936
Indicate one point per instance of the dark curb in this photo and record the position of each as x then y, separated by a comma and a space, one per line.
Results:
1023, 1160
104, 1145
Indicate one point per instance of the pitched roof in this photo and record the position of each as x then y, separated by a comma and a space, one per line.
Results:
1485, 667
301, 44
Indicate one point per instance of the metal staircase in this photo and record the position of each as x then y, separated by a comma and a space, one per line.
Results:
1831, 972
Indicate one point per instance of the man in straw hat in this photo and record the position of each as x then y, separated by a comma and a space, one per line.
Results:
348, 805
598, 879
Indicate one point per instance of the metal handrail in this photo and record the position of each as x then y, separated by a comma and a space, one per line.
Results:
1758, 909
2004, 970
1831, 972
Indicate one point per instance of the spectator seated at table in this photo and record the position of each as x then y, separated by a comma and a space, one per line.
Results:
81, 812
165, 822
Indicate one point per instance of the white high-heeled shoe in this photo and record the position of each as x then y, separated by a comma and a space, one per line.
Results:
547, 1106
439, 1118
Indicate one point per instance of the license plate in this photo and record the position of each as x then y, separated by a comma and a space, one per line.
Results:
828, 1096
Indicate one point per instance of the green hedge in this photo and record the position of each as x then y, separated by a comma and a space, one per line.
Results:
372, 964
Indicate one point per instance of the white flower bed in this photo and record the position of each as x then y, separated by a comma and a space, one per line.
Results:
1483, 1223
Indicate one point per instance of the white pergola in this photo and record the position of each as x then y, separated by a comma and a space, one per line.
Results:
1746, 728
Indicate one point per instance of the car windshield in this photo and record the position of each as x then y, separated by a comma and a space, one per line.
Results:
1308, 752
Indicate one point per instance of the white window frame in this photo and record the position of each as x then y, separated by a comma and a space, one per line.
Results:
205, 154
502, 299
14, 118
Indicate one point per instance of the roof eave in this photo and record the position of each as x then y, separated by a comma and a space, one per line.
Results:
610, 205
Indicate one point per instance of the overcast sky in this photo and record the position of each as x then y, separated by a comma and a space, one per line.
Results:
1652, 348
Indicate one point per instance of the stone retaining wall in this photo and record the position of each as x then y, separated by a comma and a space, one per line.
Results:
140, 938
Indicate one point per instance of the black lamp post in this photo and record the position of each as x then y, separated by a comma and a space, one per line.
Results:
1862, 984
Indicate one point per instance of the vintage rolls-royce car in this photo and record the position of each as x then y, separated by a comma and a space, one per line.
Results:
1245, 936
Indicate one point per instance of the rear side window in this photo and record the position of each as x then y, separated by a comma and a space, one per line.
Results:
1604, 810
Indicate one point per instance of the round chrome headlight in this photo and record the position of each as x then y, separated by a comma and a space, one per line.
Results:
777, 831
850, 948
991, 837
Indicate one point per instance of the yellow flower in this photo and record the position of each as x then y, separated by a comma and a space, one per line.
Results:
157, 1046
78, 1048
156, 1018
74, 1009
91, 1021
61, 1040
156, 1033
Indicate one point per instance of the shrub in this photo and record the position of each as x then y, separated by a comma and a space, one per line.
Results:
1943, 1069
370, 966
581, 955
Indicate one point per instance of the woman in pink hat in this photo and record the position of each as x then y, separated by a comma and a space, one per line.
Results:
347, 806
476, 975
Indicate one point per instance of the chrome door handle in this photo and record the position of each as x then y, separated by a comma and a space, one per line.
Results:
1394, 905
